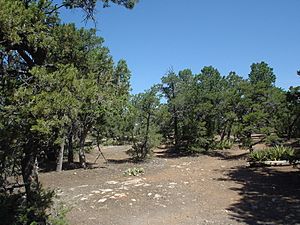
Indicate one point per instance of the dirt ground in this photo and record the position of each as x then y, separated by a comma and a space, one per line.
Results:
209, 189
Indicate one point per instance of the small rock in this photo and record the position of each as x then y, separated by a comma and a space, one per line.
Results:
102, 200
83, 199
120, 195
112, 182
132, 182
123, 188
82, 186
157, 196
134, 200
76, 196
105, 190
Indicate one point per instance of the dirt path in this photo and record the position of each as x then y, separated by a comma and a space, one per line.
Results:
215, 189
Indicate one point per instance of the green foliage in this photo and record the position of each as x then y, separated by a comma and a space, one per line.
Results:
134, 171
57, 83
58, 215
144, 134
224, 144
15, 210
272, 154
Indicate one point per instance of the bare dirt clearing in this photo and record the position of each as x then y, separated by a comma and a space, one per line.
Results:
209, 189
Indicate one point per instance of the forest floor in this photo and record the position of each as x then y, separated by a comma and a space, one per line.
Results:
216, 188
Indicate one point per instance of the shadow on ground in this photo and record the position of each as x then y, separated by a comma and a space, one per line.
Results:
226, 155
268, 196
51, 166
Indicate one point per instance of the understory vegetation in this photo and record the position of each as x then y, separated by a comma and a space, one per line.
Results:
61, 89
273, 154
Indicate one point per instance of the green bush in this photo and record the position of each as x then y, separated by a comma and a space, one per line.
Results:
134, 171
272, 154
15, 210
225, 144
58, 215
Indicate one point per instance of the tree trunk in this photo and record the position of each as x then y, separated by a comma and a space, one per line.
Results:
176, 136
145, 149
60, 156
291, 127
82, 159
29, 173
70, 148
229, 131
223, 134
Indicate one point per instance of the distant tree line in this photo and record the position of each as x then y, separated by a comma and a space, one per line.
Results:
203, 111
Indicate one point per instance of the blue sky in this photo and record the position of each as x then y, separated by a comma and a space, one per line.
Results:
227, 34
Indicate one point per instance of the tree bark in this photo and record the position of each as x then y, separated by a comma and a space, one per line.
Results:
229, 131
29, 173
70, 148
81, 153
60, 156
144, 148
176, 136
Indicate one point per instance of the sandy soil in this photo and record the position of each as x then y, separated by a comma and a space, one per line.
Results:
210, 189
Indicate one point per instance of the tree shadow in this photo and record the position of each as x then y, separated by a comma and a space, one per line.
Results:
227, 155
120, 161
51, 166
268, 196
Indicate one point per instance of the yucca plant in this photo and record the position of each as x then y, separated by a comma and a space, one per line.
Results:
273, 154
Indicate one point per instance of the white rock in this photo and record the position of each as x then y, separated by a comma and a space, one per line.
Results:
123, 188
120, 195
105, 190
82, 186
102, 200
76, 196
112, 182
157, 196
132, 182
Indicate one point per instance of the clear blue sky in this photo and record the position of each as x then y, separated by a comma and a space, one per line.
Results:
227, 34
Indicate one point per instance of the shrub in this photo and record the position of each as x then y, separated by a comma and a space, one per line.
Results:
273, 154
225, 144
134, 171
14, 209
